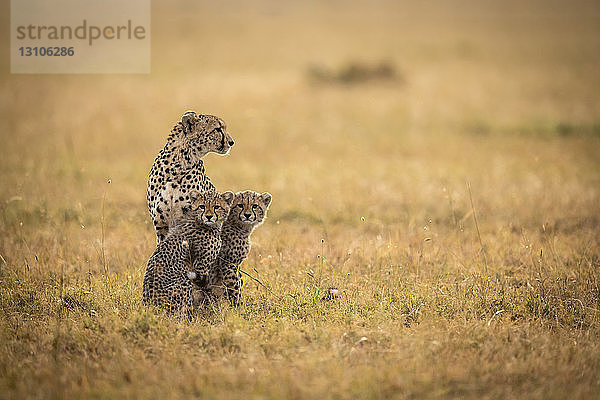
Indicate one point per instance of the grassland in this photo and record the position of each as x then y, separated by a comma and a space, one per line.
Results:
456, 208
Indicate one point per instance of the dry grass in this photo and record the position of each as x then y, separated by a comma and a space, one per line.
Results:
370, 196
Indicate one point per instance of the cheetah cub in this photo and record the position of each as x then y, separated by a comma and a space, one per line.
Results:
187, 252
248, 210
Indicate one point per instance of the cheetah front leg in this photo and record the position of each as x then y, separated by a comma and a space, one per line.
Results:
202, 271
232, 283
161, 232
165, 211
202, 288
182, 295
160, 228
160, 223
215, 278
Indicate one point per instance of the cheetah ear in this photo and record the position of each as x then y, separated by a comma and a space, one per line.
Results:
194, 196
188, 119
266, 198
228, 197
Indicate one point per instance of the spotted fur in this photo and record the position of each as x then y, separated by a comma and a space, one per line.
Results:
248, 210
178, 169
187, 252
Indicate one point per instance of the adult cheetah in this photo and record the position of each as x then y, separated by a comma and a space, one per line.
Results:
178, 168
248, 210
188, 251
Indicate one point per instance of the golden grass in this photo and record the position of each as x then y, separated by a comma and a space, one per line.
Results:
370, 193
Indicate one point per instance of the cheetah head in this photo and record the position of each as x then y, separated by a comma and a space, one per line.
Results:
202, 134
211, 208
249, 208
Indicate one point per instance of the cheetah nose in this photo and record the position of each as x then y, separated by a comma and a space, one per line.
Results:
231, 142
209, 217
247, 215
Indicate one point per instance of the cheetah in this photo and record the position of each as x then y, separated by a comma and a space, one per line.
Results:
186, 253
178, 168
248, 210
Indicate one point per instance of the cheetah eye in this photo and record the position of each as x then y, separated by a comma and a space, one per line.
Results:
254, 206
240, 205
217, 207
201, 206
